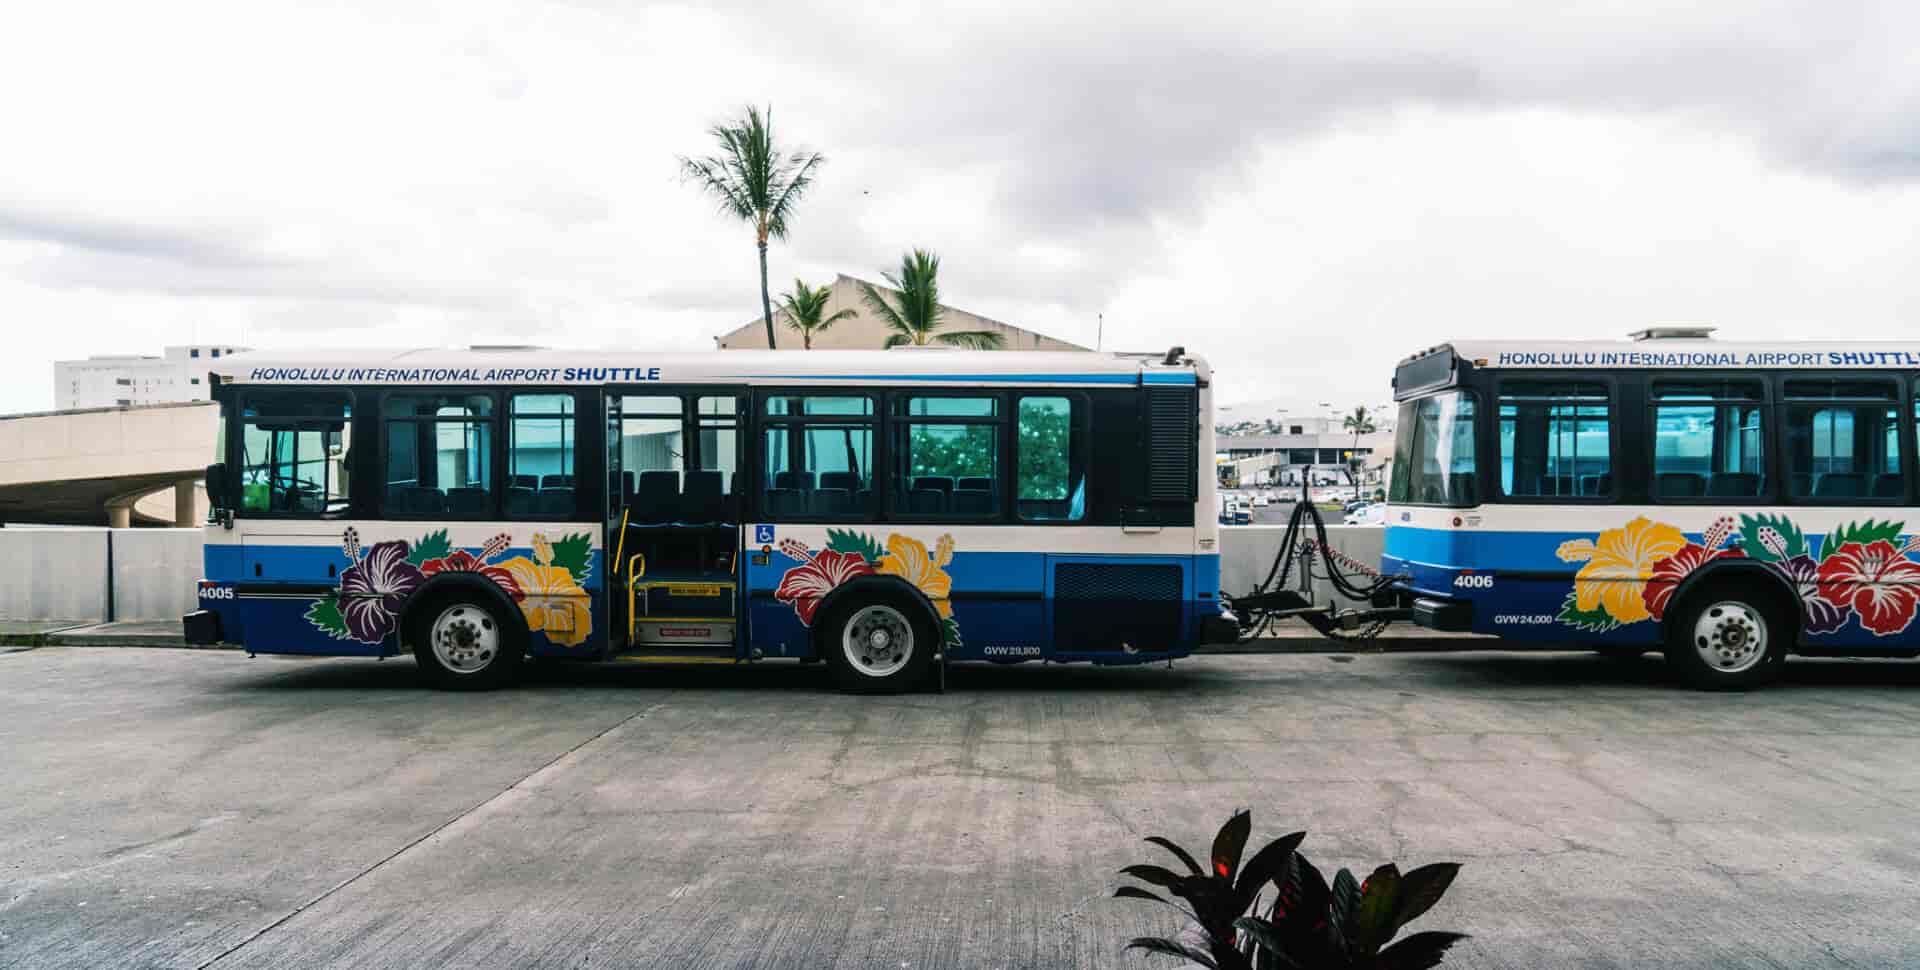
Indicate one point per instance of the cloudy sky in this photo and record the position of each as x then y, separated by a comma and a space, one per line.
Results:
1305, 193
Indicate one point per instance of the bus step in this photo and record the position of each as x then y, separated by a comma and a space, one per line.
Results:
648, 655
671, 633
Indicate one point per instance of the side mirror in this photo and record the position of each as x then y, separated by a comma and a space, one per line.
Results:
217, 485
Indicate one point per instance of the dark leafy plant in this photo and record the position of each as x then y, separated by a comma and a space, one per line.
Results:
1311, 924
1216, 895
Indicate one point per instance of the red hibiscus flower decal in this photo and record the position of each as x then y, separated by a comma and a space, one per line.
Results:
1876, 580
1668, 572
804, 585
462, 561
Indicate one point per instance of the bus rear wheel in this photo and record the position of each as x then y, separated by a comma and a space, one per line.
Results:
879, 643
1728, 636
463, 643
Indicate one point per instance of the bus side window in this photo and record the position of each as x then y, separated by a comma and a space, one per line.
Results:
1708, 441
1555, 440
817, 458
946, 457
1843, 442
1050, 458
439, 456
540, 450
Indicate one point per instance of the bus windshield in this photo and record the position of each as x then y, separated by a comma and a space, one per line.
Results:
1433, 454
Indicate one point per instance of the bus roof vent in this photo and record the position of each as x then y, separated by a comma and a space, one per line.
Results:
503, 348
1674, 333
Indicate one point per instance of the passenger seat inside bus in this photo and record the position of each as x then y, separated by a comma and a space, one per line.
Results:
1840, 485
1734, 485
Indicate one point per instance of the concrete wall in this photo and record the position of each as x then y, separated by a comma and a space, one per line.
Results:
53, 574
154, 572
61, 574
1247, 551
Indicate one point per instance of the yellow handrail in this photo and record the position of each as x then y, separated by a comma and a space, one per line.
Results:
620, 549
639, 559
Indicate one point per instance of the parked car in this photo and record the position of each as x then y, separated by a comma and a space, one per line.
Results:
1242, 513
1261, 501
1371, 513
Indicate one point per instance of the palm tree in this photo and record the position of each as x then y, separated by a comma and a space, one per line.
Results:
916, 320
1359, 422
753, 182
803, 307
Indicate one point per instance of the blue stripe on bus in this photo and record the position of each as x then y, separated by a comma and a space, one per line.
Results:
1169, 378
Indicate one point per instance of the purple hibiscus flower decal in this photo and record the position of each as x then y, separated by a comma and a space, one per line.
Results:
373, 589
1804, 574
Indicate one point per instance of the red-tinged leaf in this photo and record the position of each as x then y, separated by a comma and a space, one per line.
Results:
1229, 843
1420, 889
1266, 865
1420, 951
1155, 875
1344, 907
1373, 917
1178, 852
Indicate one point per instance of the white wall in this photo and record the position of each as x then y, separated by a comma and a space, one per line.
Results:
53, 574
155, 572
61, 574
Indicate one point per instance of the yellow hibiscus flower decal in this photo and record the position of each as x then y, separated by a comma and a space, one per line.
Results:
907, 558
555, 604
1618, 565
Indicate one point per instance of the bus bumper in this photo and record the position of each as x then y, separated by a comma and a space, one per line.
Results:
200, 627
1448, 616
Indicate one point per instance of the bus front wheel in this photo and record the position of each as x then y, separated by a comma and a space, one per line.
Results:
463, 643
879, 643
1728, 636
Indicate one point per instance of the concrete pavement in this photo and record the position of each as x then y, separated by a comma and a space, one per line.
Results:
194, 809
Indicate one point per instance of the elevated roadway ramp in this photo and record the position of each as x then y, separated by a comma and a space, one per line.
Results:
107, 466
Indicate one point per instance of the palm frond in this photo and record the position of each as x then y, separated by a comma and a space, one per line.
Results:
885, 311
896, 340
790, 182
972, 339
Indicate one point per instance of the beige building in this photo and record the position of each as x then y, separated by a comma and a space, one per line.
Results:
864, 331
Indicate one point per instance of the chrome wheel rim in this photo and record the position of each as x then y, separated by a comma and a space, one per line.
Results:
465, 638
1730, 636
877, 641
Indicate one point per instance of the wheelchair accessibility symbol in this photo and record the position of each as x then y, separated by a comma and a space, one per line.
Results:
763, 534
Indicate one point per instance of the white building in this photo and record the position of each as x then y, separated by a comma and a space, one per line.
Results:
126, 380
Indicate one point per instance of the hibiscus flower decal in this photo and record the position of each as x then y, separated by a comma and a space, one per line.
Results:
907, 558
553, 599
805, 585
462, 561
1876, 580
1804, 574
373, 590
1618, 566
1668, 572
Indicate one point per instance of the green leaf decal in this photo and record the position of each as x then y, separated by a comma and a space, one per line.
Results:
1596, 620
1790, 534
433, 545
325, 614
1861, 532
575, 554
847, 540
950, 631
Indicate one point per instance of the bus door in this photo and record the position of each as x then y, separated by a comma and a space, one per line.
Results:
674, 454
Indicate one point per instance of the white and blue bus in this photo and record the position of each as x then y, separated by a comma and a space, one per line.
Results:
886, 512
1728, 503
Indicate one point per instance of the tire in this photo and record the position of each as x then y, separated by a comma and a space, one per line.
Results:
879, 642
1728, 635
463, 642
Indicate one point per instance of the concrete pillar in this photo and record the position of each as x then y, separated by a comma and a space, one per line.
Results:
120, 516
183, 517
